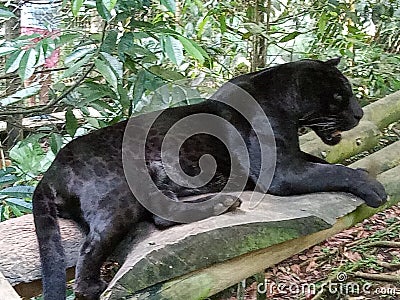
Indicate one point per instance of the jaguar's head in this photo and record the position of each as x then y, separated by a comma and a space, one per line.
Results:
328, 105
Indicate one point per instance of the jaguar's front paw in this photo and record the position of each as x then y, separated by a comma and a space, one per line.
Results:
370, 190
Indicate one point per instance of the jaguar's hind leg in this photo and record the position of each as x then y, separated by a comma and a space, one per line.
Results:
226, 203
107, 229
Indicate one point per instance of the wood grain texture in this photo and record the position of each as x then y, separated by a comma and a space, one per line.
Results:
19, 261
6, 290
282, 235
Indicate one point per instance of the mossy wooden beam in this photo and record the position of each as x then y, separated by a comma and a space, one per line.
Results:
382, 160
187, 248
384, 111
377, 116
363, 137
202, 281
19, 259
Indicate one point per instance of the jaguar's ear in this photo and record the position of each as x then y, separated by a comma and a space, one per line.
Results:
333, 62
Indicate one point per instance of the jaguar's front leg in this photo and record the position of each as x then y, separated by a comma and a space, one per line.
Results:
300, 177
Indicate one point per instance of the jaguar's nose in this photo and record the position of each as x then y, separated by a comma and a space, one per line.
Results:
358, 114
357, 110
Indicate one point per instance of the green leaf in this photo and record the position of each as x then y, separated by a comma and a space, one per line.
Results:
125, 43
71, 122
75, 67
92, 91
66, 38
21, 94
139, 87
8, 179
78, 54
16, 212
7, 50
110, 42
33, 138
102, 10
76, 6
20, 203
107, 73
101, 106
174, 49
114, 63
6, 212
322, 22
28, 157
123, 97
289, 37
170, 5
109, 4
40, 57
136, 52
21, 191
202, 26
7, 171
191, 49
27, 64
222, 23
6, 14
13, 61
166, 74
56, 142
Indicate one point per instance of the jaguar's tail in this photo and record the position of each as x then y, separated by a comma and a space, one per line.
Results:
52, 255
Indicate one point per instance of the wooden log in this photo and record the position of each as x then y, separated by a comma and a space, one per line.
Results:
363, 137
384, 111
19, 261
6, 290
211, 259
382, 160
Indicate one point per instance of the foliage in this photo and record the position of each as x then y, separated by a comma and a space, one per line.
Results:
30, 160
14, 200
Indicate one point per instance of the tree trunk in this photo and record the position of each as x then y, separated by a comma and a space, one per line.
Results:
14, 123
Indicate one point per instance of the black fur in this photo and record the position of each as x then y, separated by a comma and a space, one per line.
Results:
86, 180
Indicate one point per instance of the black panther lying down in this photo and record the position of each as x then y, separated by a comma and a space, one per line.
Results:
87, 182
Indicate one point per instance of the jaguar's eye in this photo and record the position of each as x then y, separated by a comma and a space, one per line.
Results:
337, 97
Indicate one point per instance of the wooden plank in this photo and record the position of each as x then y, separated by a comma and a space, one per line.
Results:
205, 281
363, 137
384, 111
19, 260
6, 290
382, 160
